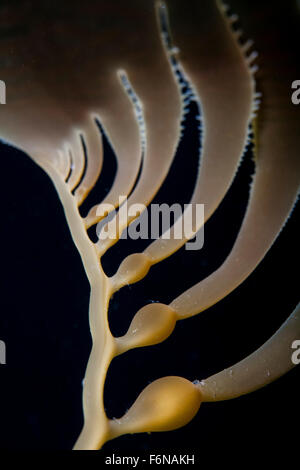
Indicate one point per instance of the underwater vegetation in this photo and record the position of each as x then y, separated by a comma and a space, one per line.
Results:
117, 99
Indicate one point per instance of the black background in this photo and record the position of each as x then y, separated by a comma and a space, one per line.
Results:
44, 319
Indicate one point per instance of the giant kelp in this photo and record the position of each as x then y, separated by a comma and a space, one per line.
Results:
136, 91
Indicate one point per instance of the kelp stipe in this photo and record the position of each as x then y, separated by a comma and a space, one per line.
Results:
141, 110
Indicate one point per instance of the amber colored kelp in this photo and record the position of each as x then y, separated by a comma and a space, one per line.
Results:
125, 65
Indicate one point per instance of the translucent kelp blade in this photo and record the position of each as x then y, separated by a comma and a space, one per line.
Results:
221, 76
158, 94
120, 125
276, 182
209, 54
60, 63
262, 367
